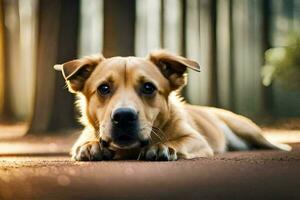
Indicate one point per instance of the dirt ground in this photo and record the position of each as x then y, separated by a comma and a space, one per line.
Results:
43, 170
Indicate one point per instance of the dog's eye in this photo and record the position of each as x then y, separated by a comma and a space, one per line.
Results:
104, 89
148, 88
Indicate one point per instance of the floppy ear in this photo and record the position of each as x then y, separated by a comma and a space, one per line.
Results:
173, 67
77, 71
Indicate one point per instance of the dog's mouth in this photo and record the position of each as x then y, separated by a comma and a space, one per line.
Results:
125, 142
125, 136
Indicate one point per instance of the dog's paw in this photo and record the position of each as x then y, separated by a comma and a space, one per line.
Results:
92, 151
158, 152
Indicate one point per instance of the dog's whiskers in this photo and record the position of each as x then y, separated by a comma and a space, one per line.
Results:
156, 132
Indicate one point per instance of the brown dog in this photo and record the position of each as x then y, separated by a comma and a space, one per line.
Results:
131, 109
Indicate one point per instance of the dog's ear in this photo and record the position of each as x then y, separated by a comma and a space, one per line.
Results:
173, 67
77, 71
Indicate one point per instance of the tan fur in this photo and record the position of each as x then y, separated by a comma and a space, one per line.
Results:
181, 130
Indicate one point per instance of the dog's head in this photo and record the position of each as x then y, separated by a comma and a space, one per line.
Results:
127, 97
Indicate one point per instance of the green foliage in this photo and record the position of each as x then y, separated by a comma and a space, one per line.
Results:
283, 64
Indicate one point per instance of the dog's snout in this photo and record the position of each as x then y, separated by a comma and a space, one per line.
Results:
125, 126
123, 116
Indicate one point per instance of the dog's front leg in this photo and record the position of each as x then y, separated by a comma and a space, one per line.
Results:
88, 148
188, 145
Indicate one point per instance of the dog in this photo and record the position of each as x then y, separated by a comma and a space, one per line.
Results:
131, 109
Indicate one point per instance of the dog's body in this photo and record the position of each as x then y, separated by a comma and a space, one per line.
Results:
131, 109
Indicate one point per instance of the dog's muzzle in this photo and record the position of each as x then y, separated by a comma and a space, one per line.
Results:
125, 126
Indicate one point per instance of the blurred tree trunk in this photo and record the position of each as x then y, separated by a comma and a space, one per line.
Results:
267, 101
247, 49
57, 43
119, 27
1, 59
213, 95
18, 34
10, 36
148, 28
224, 39
201, 46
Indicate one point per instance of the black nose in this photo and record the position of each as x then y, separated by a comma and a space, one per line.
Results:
124, 116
